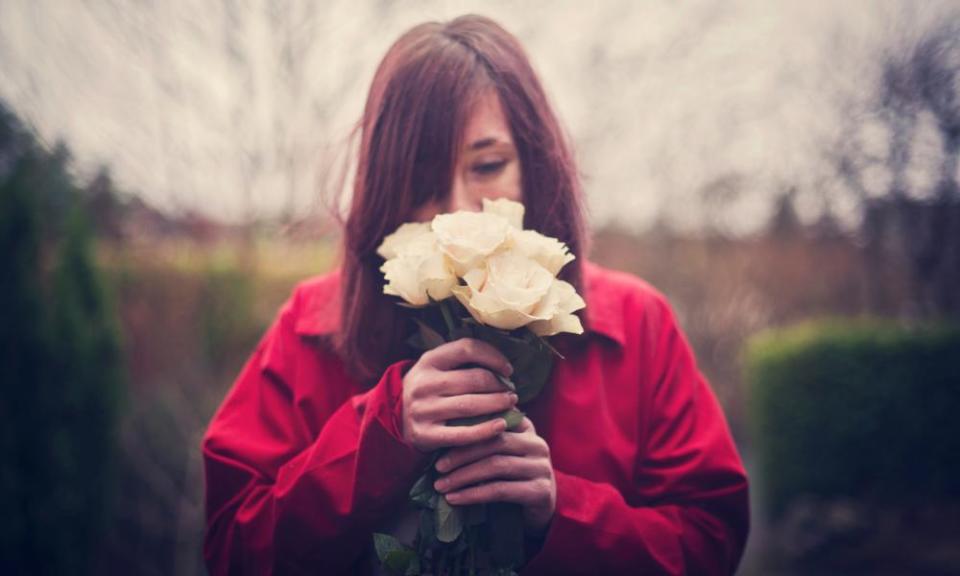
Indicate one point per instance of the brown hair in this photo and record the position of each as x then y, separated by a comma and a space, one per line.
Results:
419, 101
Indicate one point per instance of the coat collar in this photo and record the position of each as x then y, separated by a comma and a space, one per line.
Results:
319, 305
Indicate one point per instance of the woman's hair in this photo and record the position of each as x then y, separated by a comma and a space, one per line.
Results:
411, 129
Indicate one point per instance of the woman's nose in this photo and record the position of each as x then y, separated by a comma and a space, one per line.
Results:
461, 199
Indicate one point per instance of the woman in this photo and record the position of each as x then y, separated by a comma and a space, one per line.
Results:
625, 464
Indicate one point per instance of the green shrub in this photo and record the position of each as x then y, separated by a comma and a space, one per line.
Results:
865, 410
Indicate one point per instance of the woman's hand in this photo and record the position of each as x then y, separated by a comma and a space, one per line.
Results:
511, 467
436, 390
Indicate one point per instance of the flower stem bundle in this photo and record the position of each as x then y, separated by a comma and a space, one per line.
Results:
477, 275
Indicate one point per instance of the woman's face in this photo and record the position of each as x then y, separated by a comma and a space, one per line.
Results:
487, 165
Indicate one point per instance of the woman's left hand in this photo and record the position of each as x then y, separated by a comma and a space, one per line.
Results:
513, 467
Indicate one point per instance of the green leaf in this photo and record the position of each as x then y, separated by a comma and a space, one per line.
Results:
514, 418
508, 384
449, 521
398, 561
531, 372
415, 341
431, 338
423, 491
427, 530
510, 346
384, 544
550, 347
414, 568
393, 555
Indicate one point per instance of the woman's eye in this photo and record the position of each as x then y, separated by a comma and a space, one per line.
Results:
488, 168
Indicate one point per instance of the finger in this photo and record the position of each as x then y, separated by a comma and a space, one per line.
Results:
525, 492
463, 381
441, 436
468, 351
467, 405
495, 467
509, 443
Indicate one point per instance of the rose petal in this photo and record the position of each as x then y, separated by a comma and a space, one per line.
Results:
403, 235
511, 211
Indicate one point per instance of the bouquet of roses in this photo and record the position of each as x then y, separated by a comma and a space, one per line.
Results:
477, 275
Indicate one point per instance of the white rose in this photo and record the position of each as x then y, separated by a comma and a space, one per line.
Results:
563, 301
511, 211
418, 270
514, 291
469, 237
551, 253
403, 235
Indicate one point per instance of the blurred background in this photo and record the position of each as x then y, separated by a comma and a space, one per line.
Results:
788, 173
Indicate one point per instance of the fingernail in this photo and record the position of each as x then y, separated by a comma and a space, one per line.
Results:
452, 498
509, 369
514, 397
442, 464
440, 484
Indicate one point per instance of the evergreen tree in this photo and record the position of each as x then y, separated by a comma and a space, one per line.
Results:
61, 367
24, 355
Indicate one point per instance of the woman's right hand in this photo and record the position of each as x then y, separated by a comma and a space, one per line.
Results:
436, 389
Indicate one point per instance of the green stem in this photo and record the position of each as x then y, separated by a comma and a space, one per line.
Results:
457, 562
471, 549
447, 317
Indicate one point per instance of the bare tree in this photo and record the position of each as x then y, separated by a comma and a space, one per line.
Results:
898, 155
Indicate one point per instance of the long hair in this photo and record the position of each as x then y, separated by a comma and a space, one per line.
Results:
411, 129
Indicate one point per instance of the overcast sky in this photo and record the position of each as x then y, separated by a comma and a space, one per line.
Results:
233, 107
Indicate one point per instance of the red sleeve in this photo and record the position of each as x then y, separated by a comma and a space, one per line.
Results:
282, 500
690, 511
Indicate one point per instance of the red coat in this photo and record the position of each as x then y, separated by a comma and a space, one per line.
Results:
302, 463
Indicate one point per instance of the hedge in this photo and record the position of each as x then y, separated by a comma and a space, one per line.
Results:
855, 409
